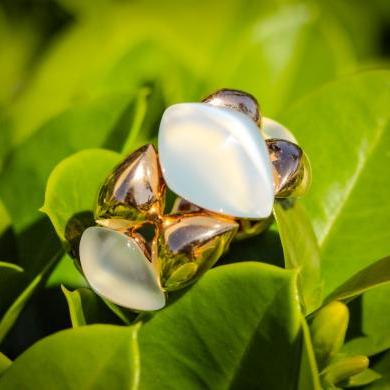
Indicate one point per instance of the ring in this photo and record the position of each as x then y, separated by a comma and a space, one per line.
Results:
225, 163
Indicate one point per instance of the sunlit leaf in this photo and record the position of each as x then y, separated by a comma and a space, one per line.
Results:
300, 251
95, 356
364, 378
328, 328
344, 128
372, 276
73, 186
308, 372
241, 323
85, 307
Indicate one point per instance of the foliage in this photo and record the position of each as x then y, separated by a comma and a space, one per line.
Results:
301, 306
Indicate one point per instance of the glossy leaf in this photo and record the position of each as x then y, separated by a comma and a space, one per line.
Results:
241, 323
68, 193
11, 281
13, 312
374, 275
308, 372
85, 307
374, 323
328, 329
383, 368
288, 51
364, 378
84, 126
66, 273
300, 251
344, 368
96, 356
344, 128
5, 362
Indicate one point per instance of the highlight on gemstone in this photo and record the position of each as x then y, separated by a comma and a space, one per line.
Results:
117, 269
217, 159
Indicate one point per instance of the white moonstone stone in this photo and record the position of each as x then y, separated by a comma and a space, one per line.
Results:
272, 129
117, 269
216, 158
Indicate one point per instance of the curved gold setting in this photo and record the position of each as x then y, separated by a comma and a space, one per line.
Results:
189, 244
236, 100
291, 168
134, 190
189, 240
184, 206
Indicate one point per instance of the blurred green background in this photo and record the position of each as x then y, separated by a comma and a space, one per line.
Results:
84, 74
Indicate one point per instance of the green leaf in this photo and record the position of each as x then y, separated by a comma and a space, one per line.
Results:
19, 41
375, 318
12, 279
364, 378
7, 236
374, 323
344, 128
87, 357
85, 307
372, 276
66, 273
365, 345
12, 313
383, 368
344, 368
73, 186
300, 251
83, 126
328, 329
139, 116
237, 327
5, 362
308, 372
289, 49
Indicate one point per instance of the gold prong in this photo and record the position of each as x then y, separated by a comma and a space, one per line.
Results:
236, 100
184, 206
134, 190
189, 244
250, 228
291, 168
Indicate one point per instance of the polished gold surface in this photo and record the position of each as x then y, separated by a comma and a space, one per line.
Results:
134, 190
190, 244
236, 100
291, 168
186, 243
250, 228
184, 206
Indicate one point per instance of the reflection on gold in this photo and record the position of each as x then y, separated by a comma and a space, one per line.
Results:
250, 228
236, 100
186, 243
291, 168
184, 206
189, 244
134, 190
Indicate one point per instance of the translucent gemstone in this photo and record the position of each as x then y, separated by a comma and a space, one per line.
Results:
217, 159
117, 269
274, 130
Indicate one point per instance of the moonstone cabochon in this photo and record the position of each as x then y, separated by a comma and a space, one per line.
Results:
216, 158
117, 269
